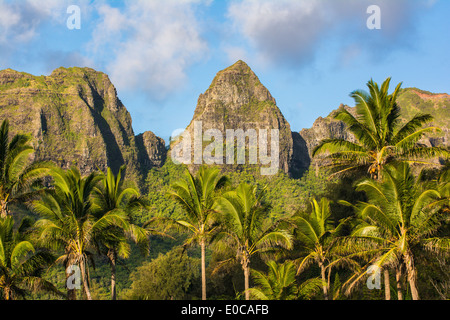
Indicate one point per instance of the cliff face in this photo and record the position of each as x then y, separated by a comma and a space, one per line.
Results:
237, 100
411, 101
152, 150
74, 117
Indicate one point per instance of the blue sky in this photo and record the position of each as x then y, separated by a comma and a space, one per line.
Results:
161, 55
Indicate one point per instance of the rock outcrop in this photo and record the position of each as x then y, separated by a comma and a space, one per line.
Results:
74, 117
152, 150
237, 100
411, 101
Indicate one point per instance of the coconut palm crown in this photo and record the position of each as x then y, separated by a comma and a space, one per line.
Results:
380, 136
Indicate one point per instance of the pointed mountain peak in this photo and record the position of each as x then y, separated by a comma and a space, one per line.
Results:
237, 101
240, 66
239, 84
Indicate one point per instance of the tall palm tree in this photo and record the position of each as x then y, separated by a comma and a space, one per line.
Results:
67, 222
400, 218
317, 236
248, 228
21, 264
109, 196
197, 195
17, 175
380, 136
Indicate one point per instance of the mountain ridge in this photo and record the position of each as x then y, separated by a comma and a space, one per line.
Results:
76, 118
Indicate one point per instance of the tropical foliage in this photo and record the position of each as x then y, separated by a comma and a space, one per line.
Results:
241, 235
400, 218
246, 227
318, 236
21, 265
380, 136
197, 195
17, 175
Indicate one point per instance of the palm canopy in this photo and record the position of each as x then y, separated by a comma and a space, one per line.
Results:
380, 136
197, 195
278, 284
247, 223
67, 221
316, 233
248, 228
109, 196
17, 175
319, 240
401, 216
21, 264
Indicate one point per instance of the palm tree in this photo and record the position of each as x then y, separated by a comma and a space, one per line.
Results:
21, 264
197, 195
400, 218
317, 236
248, 228
67, 222
380, 136
109, 197
280, 283
16, 174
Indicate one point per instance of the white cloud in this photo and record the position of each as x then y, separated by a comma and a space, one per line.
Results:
292, 32
21, 23
281, 29
150, 45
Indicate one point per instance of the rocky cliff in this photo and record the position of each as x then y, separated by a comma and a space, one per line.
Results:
411, 101
75, 118
237, 100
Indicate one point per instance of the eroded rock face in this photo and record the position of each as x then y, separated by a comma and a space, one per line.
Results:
152, 150
411, 101
74, 117
237, 100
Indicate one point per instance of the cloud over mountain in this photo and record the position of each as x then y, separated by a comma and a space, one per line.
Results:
293, 32
152, 43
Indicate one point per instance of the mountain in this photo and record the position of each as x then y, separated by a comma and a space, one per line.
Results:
236, 106
411, 101
75, 118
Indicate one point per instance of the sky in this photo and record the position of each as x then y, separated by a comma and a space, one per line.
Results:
162, 54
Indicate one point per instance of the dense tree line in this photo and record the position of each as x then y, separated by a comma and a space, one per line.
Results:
376, 217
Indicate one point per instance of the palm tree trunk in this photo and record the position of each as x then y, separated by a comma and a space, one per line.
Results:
324, 279
71, 293
112, 255
4, 212
411, 273
85, 279
246, 267
387, 285
203, 249
398, 278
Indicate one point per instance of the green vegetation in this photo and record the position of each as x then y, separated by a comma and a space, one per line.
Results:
381, 139
17, 175
233, 234
174, 275
317, 235
247, 228
197, 196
